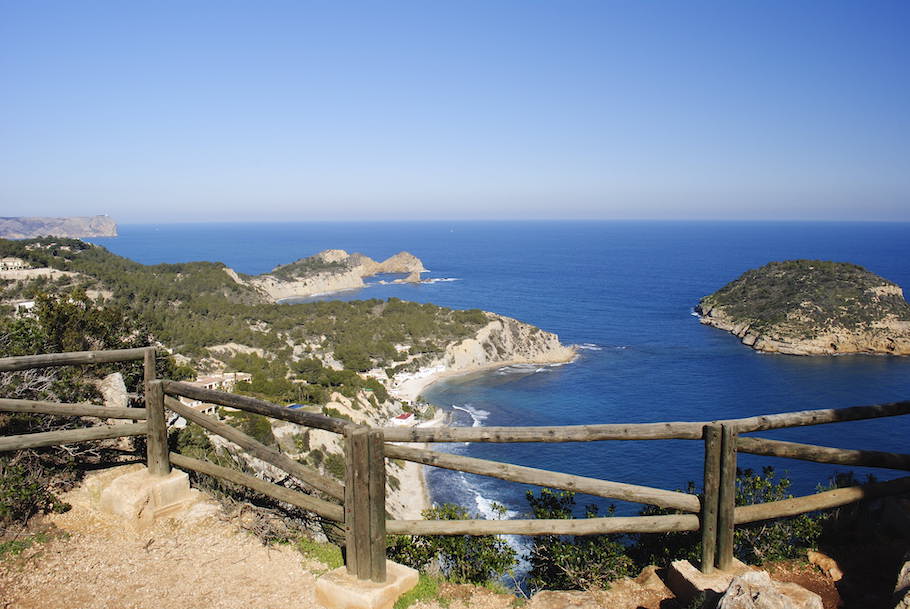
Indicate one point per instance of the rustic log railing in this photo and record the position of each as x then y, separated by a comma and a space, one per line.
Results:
358, 502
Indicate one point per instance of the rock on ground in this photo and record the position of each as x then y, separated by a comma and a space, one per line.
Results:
756, 590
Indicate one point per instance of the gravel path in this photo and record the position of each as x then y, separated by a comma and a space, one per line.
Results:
196, 561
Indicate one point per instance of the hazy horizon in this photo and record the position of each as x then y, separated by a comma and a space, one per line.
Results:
305, 111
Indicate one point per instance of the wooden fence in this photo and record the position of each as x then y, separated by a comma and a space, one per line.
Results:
358, 502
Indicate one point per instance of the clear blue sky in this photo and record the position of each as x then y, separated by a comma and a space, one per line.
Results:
233, 110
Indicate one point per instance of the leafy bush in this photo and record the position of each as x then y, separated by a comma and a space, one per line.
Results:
461, 558
253, 425
565, 562
24, 491
754, 542
772, 539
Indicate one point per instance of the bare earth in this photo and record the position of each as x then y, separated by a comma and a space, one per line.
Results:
197, 561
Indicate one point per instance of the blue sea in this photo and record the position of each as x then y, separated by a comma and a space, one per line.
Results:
624, 292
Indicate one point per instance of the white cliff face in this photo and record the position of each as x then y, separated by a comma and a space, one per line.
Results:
506, 340
348, 274
311, 285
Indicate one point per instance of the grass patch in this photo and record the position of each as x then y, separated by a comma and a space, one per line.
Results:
326, 553
427, 588
15, 547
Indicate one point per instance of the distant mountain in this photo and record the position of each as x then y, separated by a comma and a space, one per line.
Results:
73, 227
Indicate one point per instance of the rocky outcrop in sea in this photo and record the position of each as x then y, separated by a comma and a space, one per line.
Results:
812, 307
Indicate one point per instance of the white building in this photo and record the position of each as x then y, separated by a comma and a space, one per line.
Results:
405, 419
13, 264
219, 382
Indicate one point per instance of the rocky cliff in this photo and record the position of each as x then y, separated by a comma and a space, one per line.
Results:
329, 271
812, 307
503, 341
73, 227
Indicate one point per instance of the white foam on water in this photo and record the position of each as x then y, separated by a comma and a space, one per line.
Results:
516, 369
478, 416
589, 347
516, 542
440, 279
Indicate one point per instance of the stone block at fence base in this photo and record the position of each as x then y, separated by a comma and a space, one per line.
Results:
687, 582
339, 590
141, 498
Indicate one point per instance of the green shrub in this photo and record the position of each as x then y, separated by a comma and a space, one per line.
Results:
253, 425
778, 539
565, 562
24, 491
334, 464
461, 558
754, 542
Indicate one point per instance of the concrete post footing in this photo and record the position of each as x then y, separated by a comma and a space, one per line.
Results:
339, 590
687, 582
141, 498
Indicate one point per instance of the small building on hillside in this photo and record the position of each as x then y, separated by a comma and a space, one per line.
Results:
405, 419
24, 307
13, 264
219, 382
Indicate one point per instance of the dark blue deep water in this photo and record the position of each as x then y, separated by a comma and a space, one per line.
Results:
623, 290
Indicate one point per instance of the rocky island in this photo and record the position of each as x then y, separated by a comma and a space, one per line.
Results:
75, 227
812, 307
328, 271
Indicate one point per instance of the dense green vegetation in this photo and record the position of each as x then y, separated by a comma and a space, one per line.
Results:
566, 562
194, 305
807, 295
307, 266
572, 562
460, 558
70, 323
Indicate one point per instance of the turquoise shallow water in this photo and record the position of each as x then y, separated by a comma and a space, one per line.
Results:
625, 292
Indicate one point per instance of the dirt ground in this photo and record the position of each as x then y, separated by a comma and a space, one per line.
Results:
199, 560
205, 560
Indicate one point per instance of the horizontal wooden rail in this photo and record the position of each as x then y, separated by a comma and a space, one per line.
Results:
682, 430
248, 404
73, 410
818, 417
259, 450
546, 478
296, 498
820, 501
71, 436
675, 430
578, 526
74, 358
822, 454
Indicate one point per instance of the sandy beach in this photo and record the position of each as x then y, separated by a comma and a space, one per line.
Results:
413, 496
411, 386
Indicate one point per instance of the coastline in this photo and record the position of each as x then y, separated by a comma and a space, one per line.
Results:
415, 489
413, 496
409, 389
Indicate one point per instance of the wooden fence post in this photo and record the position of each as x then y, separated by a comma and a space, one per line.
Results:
148, 367
727, 498
159, 463
377, 506
364, 503
712, 435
